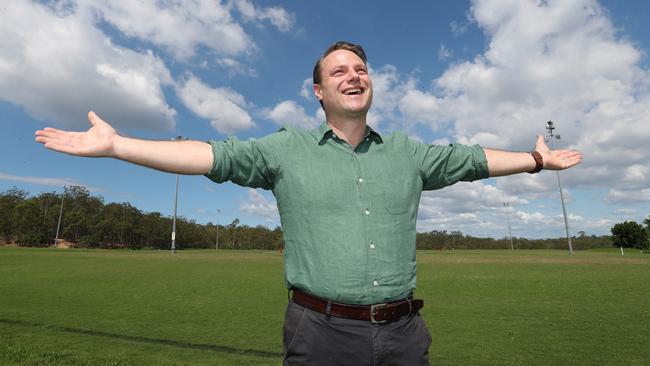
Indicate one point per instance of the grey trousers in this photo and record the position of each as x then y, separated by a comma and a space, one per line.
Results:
312, 339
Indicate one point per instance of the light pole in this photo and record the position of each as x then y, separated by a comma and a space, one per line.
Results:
507, 206
122, 226
549, 138
58, 225
216, 246
177, 138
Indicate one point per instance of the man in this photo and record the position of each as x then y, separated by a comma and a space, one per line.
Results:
348, 200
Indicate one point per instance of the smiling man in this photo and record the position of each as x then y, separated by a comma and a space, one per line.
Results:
348, 200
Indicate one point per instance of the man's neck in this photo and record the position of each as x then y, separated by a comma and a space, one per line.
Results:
352, 130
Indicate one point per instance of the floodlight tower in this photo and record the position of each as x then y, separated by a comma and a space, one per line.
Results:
507, 206
177, 138
216, 246
549, 138
58, 225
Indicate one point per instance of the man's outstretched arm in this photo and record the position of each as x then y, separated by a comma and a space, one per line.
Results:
505, 163
101, 140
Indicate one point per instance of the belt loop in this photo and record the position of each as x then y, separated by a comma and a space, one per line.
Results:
408, 299
328, 310
289, 293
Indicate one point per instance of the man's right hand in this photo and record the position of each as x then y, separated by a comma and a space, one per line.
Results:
101, 140
98, 141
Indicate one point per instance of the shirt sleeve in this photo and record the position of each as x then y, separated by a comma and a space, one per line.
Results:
251, 163
441, 166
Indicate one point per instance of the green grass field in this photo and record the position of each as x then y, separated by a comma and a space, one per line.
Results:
96, 307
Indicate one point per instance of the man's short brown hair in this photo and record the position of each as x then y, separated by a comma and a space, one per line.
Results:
340, 45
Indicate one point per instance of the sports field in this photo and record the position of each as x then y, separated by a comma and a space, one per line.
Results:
207, 307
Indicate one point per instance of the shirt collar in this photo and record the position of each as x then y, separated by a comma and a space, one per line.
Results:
325, 132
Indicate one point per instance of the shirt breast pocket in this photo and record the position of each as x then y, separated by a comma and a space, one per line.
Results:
400, 196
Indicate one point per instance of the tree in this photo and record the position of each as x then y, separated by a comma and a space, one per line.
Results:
8, 202
630, 234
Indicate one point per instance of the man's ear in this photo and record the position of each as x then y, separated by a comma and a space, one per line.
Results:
318, 92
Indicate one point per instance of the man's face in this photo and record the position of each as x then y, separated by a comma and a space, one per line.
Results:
345, 87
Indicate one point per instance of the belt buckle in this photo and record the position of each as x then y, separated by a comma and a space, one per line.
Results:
372, 313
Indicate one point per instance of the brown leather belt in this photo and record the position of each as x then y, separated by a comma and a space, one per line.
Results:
377, 313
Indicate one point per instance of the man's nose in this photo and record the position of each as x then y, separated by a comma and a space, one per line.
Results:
353, 75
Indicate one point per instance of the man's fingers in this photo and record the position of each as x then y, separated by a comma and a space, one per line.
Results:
566, 158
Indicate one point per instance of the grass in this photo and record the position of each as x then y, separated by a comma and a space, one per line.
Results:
95, 307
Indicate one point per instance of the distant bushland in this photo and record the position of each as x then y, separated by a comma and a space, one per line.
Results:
89, 222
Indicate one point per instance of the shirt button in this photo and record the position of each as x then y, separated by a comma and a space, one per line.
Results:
367, 212
334, 135
360, 180
372, 246
375, 283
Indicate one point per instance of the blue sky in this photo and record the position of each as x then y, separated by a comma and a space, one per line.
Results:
490, 72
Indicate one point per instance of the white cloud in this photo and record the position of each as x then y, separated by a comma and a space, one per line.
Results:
307, 89
573, 69
222, 106
235, 67
463, 205
279, 17
46, 181
258, 205
180, 26
290, 112
459, 28
444, 53
626, 211
628, 196
57, 65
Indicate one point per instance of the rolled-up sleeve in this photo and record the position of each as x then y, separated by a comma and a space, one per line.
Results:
251, 163
441, 166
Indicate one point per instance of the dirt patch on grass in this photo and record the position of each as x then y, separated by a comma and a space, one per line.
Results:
62, 244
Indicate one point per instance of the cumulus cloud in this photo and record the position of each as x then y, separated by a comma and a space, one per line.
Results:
290, 112
182, 26
464, 205
307, 89
57, 65
279, 17
222, 106
628, 196
573, 68
459, 28
444, 53
258, 205
235, 67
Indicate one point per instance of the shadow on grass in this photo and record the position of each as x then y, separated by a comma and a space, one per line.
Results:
166, 342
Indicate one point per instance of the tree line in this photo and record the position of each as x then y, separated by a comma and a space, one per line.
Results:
87, 221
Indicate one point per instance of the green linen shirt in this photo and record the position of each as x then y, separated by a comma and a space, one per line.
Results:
348, 215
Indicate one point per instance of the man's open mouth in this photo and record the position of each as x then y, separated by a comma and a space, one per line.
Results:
353, 91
